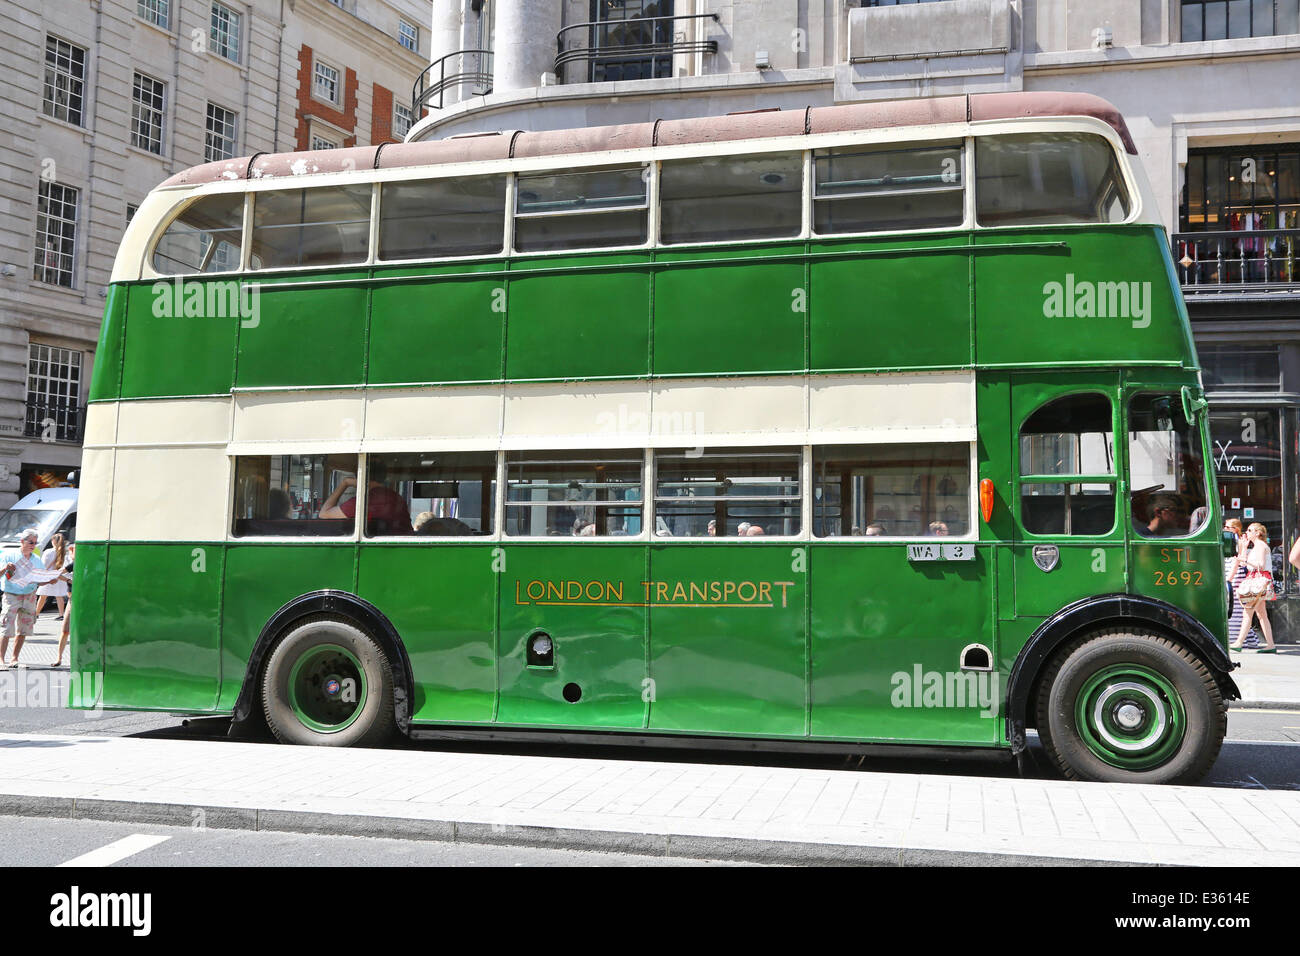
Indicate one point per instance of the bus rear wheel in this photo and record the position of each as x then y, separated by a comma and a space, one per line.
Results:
1131, 706
328, 683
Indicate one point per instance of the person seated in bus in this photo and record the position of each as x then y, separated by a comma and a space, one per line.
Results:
939, 529
713, 527
1167, 517
428, 523
875, 528
278, 504
754, 530
386, 510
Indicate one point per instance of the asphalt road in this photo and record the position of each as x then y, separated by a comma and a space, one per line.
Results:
1262, 750
37, 841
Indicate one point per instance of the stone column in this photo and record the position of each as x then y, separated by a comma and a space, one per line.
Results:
525, 43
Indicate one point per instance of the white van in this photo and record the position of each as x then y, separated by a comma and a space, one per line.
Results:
49, 511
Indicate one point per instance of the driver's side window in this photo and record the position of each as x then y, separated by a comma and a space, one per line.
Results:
1166, 468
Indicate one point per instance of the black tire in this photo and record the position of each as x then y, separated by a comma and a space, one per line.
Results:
1094, 668
306, 708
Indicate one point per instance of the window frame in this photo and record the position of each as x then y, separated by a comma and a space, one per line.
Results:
47, 186
1200, 436
404, 30
148, 10
231, 29
1118, 480
73, 414
317, 65
139, 109
50, 107
209, 135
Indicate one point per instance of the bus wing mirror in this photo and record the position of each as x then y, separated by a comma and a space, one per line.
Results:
1192, 404
1229, 544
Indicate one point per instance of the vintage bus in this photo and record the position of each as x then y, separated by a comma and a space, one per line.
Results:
848, 427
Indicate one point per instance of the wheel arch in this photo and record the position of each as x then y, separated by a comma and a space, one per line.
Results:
341, 604
1093, 613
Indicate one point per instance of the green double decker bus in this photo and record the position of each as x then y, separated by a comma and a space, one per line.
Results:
851, 428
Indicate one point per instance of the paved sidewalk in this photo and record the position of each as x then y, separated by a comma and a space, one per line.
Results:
685, 810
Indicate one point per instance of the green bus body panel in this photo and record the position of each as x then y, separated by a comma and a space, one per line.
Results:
729, 670
166, 354
441, 600
1022, 317
163, 621
887, 639
598, 630
437, 331
582, 325
324, 334
705, 316
902, 302
863, 316
1197, 567
259, 580
106, 382
86, 629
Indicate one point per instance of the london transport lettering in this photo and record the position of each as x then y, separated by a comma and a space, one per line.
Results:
653, 593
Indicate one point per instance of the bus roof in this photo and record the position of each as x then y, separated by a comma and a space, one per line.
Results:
759, 124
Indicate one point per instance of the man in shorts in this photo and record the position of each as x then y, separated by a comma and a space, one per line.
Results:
18, 612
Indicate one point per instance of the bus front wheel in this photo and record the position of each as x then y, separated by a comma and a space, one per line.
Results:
328, 683
1131, 706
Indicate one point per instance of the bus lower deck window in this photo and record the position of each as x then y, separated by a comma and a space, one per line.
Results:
574, 494
911, 490
727, 492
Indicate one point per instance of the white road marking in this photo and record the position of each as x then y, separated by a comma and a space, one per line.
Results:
117, 850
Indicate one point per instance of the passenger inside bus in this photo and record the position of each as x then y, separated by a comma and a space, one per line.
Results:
386, 510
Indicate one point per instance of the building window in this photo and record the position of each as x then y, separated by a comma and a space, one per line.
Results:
131, 209
631, 23
56, 233
320, 142
1239, 218
220, 142
401, 120
1241, 368
53, 393
155, 11
225, 32
325, 84
147, 114
408, 36
1233, 19
65, 80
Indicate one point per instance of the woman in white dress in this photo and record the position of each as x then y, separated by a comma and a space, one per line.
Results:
55, 556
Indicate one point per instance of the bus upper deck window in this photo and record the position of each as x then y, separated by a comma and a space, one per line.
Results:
717, 198
1166, 468
592, 208
205, 237
311, 227
1037, 178
1071, 437
461, 216
873, 189
727, 492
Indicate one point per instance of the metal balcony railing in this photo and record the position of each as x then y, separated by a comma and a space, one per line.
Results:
1247, 260
55, 421
471, 68
633, 49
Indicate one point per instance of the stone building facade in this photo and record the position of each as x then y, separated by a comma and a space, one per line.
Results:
104, 99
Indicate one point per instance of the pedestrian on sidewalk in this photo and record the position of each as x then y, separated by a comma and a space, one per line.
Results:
55, 556
1235, 578
18, 611
1256, 589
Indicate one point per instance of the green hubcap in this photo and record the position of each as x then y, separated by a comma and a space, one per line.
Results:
1130, 716
327, 688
